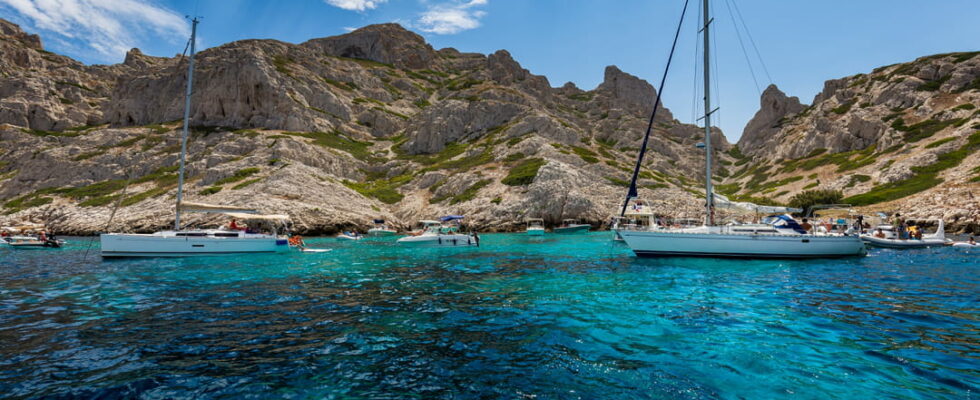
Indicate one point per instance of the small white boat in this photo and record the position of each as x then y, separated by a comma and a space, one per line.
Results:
441, 233
892, 241
32, 242
350, 236
309, 250
535, 227
30, 236
381, 229
966, 245
572, 226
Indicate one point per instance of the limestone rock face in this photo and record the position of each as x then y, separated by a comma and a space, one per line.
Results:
886, 131
384, 43
774, 107
335, 132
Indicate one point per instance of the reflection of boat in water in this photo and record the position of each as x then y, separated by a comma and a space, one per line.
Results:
892, 241
535, 227
445, 232
381, 229
572, 226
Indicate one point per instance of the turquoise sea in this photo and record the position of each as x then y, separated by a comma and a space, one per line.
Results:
519, 317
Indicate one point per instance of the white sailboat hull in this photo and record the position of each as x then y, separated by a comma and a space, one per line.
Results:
692, 244
535, 231
163, 245
381, 232
450, 240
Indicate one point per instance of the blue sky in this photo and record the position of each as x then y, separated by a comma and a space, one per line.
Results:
803, 43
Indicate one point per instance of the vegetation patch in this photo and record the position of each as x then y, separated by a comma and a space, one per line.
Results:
523, 173
384, 190
209, 191
338, 84
940, 142
238, 175
964, 106
245, 184
470, 192
587, 155
933, 86
843, 108
925, 177
924, 129
810, 198
584, 96
618, 182
335, 140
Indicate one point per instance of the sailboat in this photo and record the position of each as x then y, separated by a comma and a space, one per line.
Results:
196, 242
784, 240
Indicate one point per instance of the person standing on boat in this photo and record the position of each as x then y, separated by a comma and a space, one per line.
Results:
899, 226
806, 225
859, 224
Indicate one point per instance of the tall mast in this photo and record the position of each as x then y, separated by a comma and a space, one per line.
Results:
709, 195
187, 118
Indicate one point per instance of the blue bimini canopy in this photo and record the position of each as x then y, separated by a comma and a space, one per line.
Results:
379, 221
451, 218
789, 222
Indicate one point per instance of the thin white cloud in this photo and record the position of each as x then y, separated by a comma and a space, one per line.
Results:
451, 18
109, 27
356, 5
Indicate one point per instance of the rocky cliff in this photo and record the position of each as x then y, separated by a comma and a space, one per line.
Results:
334, 131
903, 138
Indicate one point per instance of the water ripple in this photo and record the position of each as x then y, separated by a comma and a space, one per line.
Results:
519, 317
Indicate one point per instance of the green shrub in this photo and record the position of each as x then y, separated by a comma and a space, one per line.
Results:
618, 182
335, 140
139, 197
496, 200
933, 86
843, 108
964, 106
239, 175
209, 191
924, 129
245, 184
925, 177
470, 192
940, 142
523, 173
587, 155
384, 190
514, 157
810, 198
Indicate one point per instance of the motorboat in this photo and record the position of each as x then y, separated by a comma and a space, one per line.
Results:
781, 239
892, 240
444, 232
181, 242
381, 229
29, 236
32, 242
571, 226
965, 245
350, 236
535, 227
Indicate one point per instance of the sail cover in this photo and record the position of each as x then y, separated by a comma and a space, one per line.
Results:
258, 217
451, 218
723, 202
379, 221
212, 208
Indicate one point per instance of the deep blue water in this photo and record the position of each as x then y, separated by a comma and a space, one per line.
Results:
520, 317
